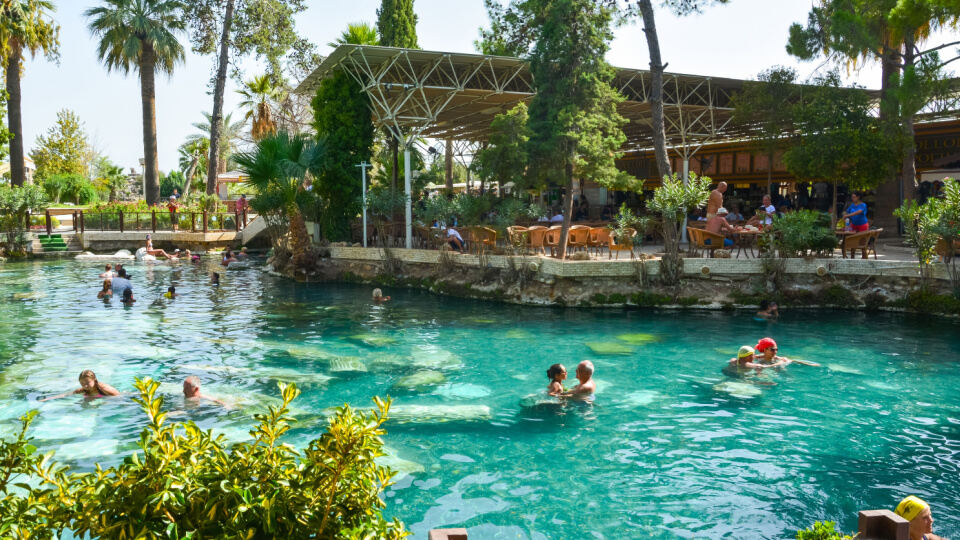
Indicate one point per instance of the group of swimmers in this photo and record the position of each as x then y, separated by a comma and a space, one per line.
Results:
91, 387
585, 388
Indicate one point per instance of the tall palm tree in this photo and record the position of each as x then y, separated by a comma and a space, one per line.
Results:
257, 97
193, 161
276, 169
231, 133
141, 35
24, 25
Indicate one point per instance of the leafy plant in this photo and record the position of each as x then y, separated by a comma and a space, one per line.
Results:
71, 187
15, 203
918, 223
932, 224
673, 200
825, 530
803, 232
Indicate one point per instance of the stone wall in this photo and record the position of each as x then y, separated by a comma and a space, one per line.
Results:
707, 283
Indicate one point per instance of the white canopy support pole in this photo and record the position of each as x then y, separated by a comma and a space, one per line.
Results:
363, 193
686, 180
406, 189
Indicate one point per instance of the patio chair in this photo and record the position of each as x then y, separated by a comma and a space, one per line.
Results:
626, 245
946, 252
579, 236
598, 237
552, 239
536, 239
481, 238
517, 236
864, 241
704, 240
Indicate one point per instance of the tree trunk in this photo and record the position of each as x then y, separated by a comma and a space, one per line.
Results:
888, 192
14, 122
656, 91
567, 209
833, 206
448, 167
151, 176
216, 118
299, 237
909, 168
190, 172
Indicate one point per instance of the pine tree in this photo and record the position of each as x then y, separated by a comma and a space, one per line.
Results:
397, 26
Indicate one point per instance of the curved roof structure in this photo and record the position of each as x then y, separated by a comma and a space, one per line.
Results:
447, 95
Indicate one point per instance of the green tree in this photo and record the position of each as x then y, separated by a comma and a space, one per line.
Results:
230, 136
71, 187
140, 35
258, 95
276, 169
234, 29
575, 130
5, 134
25, 25
109, 177
838, 138
15, 203
397, 27
65, 149
193, 160
504, 159
341, 113
169, 182
765, 109
673, 200
892, 33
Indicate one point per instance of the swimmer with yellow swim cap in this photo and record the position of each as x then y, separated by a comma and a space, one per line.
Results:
917, 512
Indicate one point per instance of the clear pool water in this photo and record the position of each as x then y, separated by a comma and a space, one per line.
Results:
669, 449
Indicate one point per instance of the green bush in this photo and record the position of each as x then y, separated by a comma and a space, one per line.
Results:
803, 232
925, 301
187, 483
826, 530
15, 202
73, 188
837, 295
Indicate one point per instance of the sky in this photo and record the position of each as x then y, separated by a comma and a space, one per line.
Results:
737, 40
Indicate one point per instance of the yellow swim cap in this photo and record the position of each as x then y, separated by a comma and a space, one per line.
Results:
745, 351
167, 295
911, 507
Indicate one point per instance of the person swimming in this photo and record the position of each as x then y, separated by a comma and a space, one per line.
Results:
108, 272
378, 297
191, 391
768, 347
587, 386
90, 387
746, 359
215, 279
171, 293
557, 373
228, 258
769, 311
917, 512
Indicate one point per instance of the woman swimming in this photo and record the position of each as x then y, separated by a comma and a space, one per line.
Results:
557, 373
89, 387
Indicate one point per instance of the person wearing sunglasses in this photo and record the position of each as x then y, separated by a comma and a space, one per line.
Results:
768, 348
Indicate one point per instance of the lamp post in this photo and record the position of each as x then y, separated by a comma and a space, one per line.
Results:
363, 191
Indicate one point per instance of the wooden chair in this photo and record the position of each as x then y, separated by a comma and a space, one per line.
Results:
481, 238
517, 236
579, 236
552, 239
627, 245
699, 240
536, 239
864, 241
943, 250
598, 237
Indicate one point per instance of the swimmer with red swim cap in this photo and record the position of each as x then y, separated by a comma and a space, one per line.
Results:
768, 348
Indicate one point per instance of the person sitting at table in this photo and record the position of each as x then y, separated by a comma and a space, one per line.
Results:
735, 216
765, 214
857, 213
718, 225
455, 240
557, 217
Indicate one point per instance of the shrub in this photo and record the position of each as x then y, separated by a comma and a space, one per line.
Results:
185, 482
15, 202
803, 232
826, 530
838, 295
41, 221
73, 188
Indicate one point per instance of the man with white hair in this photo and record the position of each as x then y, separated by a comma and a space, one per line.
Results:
718, 225
587, 387
191, 391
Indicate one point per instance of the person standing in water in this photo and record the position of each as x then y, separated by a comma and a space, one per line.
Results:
557, 374
746, 359
90, 387
917, 512
768, 347
379, 298
768, 311
587, 386
107, 272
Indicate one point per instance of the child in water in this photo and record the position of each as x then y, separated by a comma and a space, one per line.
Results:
171, 293
557, 373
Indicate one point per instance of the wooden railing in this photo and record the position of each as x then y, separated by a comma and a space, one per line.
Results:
159, 220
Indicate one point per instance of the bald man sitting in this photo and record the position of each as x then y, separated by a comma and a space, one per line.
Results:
587, 387
191, 391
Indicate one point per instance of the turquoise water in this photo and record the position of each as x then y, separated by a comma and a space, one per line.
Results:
669, 449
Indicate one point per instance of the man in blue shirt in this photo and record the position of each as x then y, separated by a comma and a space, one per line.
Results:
117, 285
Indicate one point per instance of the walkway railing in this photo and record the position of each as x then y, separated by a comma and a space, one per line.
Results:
159, 220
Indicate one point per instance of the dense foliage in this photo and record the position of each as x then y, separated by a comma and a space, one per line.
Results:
803, 232
15, 203
185, 482
826, 530
65, 149
397, 24
673, 200
934, 227
504, 159
70, 187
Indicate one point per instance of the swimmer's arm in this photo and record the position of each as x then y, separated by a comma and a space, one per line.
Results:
65, 394
108, 390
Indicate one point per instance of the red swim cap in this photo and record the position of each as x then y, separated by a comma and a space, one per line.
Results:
765, 344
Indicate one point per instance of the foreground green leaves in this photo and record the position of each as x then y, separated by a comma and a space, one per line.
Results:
188, 483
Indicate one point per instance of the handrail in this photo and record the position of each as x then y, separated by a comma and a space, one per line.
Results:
162, 220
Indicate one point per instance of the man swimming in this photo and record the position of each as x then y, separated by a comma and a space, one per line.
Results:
191, 391
587, 386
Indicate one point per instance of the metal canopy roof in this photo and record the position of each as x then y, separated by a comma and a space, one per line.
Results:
446, 95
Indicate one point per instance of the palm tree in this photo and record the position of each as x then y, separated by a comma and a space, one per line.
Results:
141, 35
193, 161
357, 34
276, 169
24, 25
230, 136
257, 95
